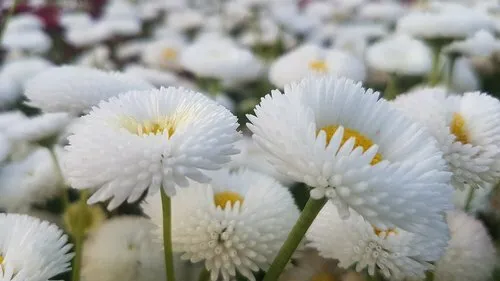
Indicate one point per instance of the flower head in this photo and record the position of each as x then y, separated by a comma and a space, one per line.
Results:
396, 253
140, 141
355, 150
31, 249
237, 223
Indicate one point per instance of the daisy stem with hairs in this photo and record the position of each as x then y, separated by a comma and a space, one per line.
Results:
311, 210
167, 235
204, 275
468, 200
391, 89
78, 237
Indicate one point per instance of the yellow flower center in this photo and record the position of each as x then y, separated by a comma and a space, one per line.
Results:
169, 53
221, 198
359, 140
163, 126
1, 259
323, 276
318, 66
459, 128
384, 233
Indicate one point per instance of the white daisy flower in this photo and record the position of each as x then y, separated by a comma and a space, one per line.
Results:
98, 57
76, 89
466, 127
482, 44
311, 59
33, 179
401, 55
76, 20
158, 78
159, 137
121, 18
9, 92
387, 11
31, 41
86, 37
123, 249
312, 267
23, 22
356, 150
215, 58
447, 24
164, 53
464, 77
31, 249
395, 253
237, 223
185, 20
38, 128
22, 70
470, 255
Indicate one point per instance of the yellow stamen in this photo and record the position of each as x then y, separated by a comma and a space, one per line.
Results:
164, 126
169, 53
384, 233
323, 276
459, 128
318, 66
359, 140
221, 198
1, 259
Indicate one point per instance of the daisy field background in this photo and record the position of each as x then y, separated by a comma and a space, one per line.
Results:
249, 140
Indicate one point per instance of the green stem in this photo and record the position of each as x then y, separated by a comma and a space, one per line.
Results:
78, 238
204, 275
435, 75
391, 89
469, 198
451, 65
311, 210
167, 235
7, 18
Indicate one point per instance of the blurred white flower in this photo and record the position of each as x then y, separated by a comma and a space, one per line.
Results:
312, 267
123, 249
481, 44
9, 92
156, 77
22, 70
470, 255
23, 22
185, 20
311, 59
5, 146
161, 138
76, 89
32, 179
467, 129
355, 150
395, 253
31, 249
87, 36
30, 41
385, 11
131, 49
447, 24
76, 20
322, 10
464, 77
121, 18
98, 57
222, 60
164, 53
38, 128
237, 223
401, 55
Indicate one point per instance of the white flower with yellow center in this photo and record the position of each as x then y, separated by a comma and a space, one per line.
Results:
164, 53
31, 249
237, 223
356, 150
311, 59
470, 255
467, 129
395, 253
141, 141
123, 249
76, 89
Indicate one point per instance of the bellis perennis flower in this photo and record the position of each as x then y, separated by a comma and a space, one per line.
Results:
356, 150
142, 141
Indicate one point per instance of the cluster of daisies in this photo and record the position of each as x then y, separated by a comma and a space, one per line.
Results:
249, 140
